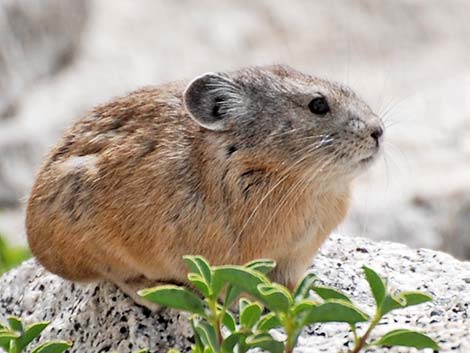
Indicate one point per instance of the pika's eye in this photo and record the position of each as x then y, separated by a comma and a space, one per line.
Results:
319, 106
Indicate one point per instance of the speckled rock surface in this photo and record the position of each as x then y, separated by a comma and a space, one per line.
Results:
99, 318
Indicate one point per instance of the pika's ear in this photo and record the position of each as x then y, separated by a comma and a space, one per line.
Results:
213, 101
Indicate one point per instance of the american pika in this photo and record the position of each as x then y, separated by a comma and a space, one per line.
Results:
255, 163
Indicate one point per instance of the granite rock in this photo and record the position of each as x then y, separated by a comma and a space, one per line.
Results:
99, 318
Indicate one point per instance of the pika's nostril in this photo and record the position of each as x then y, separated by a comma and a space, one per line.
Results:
377, 133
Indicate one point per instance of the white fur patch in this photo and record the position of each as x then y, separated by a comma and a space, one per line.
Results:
75, 163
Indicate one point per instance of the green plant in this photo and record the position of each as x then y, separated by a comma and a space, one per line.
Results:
11, 256
15, 337
216, 329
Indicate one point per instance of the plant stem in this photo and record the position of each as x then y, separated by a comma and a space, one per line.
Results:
362, 341
289, 348
354, 331
216, 319
219, 324
291, 333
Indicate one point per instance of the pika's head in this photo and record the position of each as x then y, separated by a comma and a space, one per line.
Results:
278, 115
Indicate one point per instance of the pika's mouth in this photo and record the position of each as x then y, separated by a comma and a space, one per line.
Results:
365, 161
368, 160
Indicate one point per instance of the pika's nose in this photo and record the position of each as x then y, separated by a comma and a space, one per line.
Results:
376, 134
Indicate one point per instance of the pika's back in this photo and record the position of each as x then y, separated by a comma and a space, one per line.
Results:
139, 122
145, 132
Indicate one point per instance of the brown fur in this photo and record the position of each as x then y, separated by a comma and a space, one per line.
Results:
137, 184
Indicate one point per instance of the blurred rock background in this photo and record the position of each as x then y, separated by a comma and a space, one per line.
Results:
408, 59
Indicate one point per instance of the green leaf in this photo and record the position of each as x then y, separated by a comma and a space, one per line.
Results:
303, 306
406, 338
377, 285
268, 322
262, 265
233, 290
6, 337
200, 266
15, 323
336, 311
403, 300
241, 277
207, 335
231, 295
229, 344
197, 347
242, 304
208, 350
276, 297
391, 303
199, 283
327, 293
229, 321
216, 287
415, 298
174, 297
52, 347
304, 286
13, 347
250, 315
31, 332
266, 342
